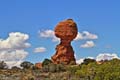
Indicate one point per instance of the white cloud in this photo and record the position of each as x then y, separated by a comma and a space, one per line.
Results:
16, 40
80, 36
13, 58
13, 63
48, 34
106, 56
85, 35
12, 49
88, 44
101, 56
39, 50
90, 57
13, 55
81, 60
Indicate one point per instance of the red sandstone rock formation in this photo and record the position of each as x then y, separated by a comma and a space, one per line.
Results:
66, 31
38, 65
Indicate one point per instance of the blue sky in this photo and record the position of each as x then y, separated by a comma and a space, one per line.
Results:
99, 17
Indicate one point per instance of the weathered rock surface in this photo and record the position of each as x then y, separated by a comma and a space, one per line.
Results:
38, 65
66, 31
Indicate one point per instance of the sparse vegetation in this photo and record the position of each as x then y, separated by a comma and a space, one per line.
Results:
88, 70
26, 65
3, 65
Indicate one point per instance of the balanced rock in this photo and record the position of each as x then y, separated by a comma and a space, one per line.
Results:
66, 31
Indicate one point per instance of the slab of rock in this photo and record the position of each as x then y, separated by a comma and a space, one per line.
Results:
66, 31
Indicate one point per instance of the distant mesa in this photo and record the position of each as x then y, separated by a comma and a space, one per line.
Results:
66, 31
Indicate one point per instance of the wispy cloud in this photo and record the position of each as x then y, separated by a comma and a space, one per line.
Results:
88, 44
48, 34
39, 49
86, 35
80, 36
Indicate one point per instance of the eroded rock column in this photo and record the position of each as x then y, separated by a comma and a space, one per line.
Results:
66, 31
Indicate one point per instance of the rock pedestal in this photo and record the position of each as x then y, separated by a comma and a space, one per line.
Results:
66, 31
